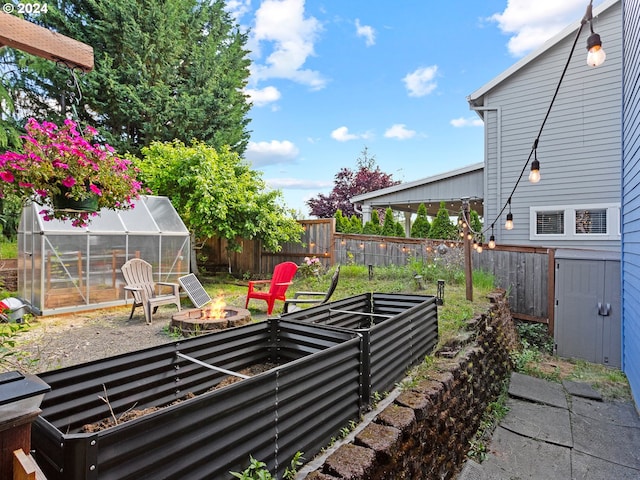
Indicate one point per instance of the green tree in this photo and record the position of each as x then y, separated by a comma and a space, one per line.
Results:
476, 224
9, 130
217, 194
373, 227
163, 70
340, 221
399, 230
389, 226
442, 228
354, 225
421, 226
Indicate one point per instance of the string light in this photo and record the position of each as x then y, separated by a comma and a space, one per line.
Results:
534, 175
595, 57
492, 239
509, 223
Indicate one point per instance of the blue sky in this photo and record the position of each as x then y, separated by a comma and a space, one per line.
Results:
329, 77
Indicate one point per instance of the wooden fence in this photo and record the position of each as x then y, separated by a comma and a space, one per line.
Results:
527, 273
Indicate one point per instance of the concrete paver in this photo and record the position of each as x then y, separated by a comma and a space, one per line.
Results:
555, 431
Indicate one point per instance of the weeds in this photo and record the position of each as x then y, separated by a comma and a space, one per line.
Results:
257, 470
492, 416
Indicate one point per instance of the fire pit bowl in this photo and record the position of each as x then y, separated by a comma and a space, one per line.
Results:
197, 322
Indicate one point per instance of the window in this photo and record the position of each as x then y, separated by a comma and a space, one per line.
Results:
575, 222
550, 223
591, 221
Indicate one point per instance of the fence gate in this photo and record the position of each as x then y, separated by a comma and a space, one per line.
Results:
587, 306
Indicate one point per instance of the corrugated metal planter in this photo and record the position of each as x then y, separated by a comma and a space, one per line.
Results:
398, 331
330, 359
296, 406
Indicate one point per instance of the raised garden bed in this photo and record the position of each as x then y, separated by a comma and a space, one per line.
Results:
398, 331
323, 379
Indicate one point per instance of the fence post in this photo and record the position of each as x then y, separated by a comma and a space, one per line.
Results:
468, 270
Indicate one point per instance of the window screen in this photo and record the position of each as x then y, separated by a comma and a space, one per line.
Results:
550, 223
591, 221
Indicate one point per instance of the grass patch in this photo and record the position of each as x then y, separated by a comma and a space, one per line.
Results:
8, 249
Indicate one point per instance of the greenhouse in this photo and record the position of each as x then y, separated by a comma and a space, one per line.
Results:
62, 268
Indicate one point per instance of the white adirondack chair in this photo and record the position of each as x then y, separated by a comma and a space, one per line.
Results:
147, 293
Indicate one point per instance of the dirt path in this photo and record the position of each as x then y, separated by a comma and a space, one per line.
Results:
60, 341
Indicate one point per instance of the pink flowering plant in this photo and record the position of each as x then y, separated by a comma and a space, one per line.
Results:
61, 161
311, 266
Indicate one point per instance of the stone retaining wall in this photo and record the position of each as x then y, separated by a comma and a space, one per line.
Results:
425, 432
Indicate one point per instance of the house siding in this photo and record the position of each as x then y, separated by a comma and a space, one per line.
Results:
631, 198
580, 146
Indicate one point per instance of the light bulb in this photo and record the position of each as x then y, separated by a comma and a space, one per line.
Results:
479, 249
509, 223
492, 242
534, 175
469, 236
596, 55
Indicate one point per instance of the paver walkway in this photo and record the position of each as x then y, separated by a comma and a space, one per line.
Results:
560, 431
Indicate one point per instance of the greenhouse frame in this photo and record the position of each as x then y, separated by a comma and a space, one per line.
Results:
64, 269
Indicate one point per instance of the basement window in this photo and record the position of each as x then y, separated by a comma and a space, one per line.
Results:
575, 222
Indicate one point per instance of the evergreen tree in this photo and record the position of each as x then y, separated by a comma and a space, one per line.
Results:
389, 226
421, 227
355, 224
442, 227
163, 70
373, 227
400, 230
476, 224
340, 221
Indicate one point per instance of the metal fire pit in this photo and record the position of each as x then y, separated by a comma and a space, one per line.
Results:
193, 322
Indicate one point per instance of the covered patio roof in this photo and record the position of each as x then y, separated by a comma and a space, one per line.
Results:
450, 187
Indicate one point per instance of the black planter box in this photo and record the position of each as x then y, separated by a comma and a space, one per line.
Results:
330, 359
398, 331
298, 405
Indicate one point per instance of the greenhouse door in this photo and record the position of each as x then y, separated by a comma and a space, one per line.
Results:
587, 310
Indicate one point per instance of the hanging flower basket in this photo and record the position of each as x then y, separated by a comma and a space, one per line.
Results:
71, 177
64, 204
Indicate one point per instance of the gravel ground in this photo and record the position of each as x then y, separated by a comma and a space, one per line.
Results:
54, 342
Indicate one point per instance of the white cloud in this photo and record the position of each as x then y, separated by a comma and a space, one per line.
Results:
399, 131
282, 25
530, 24
237, 8
421, 81
341, 134
271, 153
467, 122
367, 32
263, 96
299, 183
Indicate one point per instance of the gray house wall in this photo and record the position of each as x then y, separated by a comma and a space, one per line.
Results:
580, 147
631, 199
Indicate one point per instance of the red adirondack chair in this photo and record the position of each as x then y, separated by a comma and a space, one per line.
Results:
281, 279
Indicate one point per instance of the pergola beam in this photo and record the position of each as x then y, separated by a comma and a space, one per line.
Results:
31, 38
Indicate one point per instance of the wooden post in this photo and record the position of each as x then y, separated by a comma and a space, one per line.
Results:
21, 396
36, 40
468, 269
